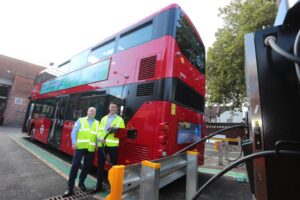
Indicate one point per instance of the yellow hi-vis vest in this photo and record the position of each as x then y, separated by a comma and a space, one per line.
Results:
87, 136
111, 141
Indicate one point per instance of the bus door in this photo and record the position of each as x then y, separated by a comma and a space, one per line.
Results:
78, 105
26, 123
58, 121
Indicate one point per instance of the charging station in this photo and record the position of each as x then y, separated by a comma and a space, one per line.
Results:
273, 90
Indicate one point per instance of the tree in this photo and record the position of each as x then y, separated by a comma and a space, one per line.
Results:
225, 59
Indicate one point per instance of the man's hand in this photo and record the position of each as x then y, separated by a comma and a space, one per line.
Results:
102, 141
113, 130
74, 146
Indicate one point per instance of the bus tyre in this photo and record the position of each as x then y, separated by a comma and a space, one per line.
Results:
32, 133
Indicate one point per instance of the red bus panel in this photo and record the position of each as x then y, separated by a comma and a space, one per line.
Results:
42, 128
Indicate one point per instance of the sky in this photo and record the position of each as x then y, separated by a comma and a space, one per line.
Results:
45, 31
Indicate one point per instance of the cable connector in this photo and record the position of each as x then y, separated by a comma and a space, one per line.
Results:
271, 41
267, 40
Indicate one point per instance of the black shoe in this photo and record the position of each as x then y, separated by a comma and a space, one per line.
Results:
106, 186
97, 190
82, 187
67, 193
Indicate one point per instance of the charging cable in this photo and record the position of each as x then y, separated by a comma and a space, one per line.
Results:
269, 153
271, 41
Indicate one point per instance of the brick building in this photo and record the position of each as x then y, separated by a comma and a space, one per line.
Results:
16, 83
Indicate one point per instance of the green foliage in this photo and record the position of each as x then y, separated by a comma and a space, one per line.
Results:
225, 59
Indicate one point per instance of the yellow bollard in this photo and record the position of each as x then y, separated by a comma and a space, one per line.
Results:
115, 177
194, 152
216, 145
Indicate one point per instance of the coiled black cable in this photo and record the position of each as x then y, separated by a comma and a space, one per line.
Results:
242, 160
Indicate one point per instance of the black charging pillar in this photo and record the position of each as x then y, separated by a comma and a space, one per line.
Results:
274, 96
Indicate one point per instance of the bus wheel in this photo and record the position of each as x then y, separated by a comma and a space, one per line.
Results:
32, 133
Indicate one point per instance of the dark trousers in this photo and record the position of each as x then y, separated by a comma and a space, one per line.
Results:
113, 155
87, 164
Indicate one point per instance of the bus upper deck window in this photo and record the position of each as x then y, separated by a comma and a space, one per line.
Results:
136, 36
101, 51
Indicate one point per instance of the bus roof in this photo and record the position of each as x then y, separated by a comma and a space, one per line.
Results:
51, 70
140, 22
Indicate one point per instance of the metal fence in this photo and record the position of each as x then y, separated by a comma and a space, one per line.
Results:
142, 181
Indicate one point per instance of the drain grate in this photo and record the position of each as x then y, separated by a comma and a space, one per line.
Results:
78, 194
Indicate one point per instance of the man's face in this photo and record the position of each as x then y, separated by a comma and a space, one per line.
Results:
113, 108
91, 112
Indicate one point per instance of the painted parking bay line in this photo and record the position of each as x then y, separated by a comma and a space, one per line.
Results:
55, 163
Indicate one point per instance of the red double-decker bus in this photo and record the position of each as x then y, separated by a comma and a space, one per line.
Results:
155, 69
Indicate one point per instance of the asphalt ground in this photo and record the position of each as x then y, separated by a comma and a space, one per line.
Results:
36, 171
226, 188
23, 176
26, 170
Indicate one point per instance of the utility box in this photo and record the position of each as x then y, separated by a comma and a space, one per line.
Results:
273, 92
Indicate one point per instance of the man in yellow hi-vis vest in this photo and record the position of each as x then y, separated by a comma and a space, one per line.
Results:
112, 120
84, 138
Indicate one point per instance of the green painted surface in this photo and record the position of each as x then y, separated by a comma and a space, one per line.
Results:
241, 177
90, 74
57, 164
